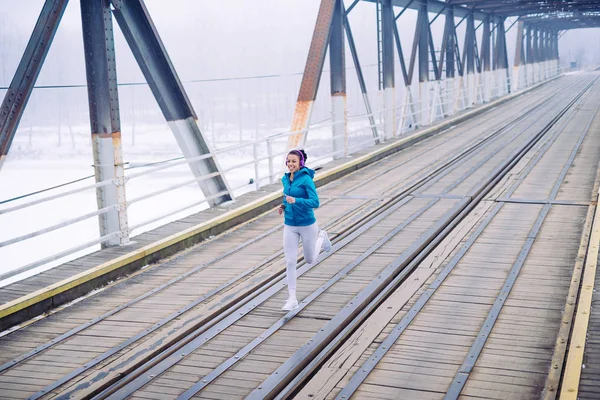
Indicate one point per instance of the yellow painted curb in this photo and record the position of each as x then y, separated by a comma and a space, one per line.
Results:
570, 382
109, 266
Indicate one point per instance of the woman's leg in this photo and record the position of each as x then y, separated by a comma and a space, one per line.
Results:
312, 242
290, 248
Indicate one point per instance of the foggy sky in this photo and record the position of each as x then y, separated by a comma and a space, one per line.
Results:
214, 39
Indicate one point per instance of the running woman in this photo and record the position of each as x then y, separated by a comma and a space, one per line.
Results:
299, 200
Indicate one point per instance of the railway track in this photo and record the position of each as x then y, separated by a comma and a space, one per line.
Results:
387, 341
407, 202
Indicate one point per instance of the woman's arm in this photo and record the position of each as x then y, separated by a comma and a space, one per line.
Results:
313, 197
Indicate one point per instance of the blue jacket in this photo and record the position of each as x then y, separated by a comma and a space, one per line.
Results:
303, 189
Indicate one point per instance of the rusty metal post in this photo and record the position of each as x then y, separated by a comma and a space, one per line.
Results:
105, 121
312, 74
21, 86
150, 53
389, 89
337, 62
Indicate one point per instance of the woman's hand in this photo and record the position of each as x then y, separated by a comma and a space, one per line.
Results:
280, 209
290, 199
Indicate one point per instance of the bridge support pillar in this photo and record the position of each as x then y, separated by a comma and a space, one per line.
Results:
519, 56
487, 60
387, 67
528, 57
423, 40
536, 56
338, 82
470, 62
451, 62
105, 121
152, 58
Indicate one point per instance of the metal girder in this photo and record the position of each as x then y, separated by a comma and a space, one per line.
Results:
536, 48
337, 63
436, 71
520, 7
21, 86
449, 45
530, 59
470, 45
519, 49
524, 8
312, 73
401, 56
361, 78
435, 6
388, 23
151, 55
337, 54
105, 124
564, 21
486, 54
423, 37
387, 46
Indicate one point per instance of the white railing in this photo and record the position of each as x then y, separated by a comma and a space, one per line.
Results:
266, 155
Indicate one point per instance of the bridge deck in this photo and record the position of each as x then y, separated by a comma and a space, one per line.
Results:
456, 265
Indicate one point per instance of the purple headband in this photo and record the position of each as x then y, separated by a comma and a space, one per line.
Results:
299, 154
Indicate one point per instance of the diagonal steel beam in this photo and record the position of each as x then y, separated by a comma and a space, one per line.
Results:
401, 55
436, 71
415, 45
151, 55
361, 78
21, 86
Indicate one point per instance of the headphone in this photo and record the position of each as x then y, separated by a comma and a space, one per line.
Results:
299, 154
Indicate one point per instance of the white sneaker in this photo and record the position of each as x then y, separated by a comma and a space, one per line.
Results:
326, 241
290, 304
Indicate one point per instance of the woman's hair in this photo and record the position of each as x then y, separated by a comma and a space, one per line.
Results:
301, 154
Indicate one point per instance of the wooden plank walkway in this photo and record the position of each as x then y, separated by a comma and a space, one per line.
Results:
214, 274
453, 343
582, 372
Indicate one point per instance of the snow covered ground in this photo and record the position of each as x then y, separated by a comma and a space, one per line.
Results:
26, 172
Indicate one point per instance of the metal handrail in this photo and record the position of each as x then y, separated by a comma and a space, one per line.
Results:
453, 98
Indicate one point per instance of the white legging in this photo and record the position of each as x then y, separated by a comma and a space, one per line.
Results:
311, 243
